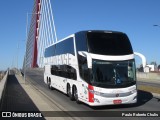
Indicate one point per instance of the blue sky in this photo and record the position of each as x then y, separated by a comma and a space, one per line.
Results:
134, 17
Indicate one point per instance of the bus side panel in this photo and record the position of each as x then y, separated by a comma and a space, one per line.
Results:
54, 81
82, 87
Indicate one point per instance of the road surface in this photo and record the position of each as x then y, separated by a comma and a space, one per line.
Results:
146, 102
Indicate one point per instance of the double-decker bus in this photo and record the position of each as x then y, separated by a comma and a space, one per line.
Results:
94, 67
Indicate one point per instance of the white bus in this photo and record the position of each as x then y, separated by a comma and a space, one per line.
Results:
94, 67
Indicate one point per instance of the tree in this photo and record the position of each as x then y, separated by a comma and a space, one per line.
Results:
154, 63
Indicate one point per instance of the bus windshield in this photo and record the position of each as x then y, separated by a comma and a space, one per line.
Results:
113, 74
109, 43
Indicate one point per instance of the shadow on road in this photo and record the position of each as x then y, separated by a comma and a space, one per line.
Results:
16, 99
143, 97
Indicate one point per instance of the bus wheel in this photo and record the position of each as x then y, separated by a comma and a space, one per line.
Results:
68, 90
75, 93
49, 85
71, 96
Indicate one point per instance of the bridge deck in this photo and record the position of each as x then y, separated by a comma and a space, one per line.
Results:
15, 98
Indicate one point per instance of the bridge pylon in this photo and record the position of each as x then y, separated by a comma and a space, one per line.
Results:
41, 33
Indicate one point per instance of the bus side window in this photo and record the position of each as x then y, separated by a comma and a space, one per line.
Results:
64, 71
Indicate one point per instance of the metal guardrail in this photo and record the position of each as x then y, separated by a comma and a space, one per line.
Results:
155, 76
3, 86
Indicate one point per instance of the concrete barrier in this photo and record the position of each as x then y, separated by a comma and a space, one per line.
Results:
155, 76
3, 85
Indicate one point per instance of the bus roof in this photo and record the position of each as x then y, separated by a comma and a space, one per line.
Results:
101, 31
86, 31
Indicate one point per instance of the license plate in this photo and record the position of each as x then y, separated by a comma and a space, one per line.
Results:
117, 101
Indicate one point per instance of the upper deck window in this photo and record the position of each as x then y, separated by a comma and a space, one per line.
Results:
62, 47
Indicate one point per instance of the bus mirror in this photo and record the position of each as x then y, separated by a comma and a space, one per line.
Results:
87, 55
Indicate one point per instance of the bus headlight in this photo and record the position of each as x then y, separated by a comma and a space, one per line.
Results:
91, 91
94, 92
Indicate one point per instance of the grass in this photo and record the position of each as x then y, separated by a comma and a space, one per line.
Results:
149, 89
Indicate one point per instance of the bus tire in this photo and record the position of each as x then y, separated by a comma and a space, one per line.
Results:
68, 90
75, 94
71, 96
49, 85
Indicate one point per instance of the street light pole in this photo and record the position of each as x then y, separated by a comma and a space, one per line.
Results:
17, 56
18, 47
25, 49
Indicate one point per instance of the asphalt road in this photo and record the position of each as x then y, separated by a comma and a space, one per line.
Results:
146, 102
